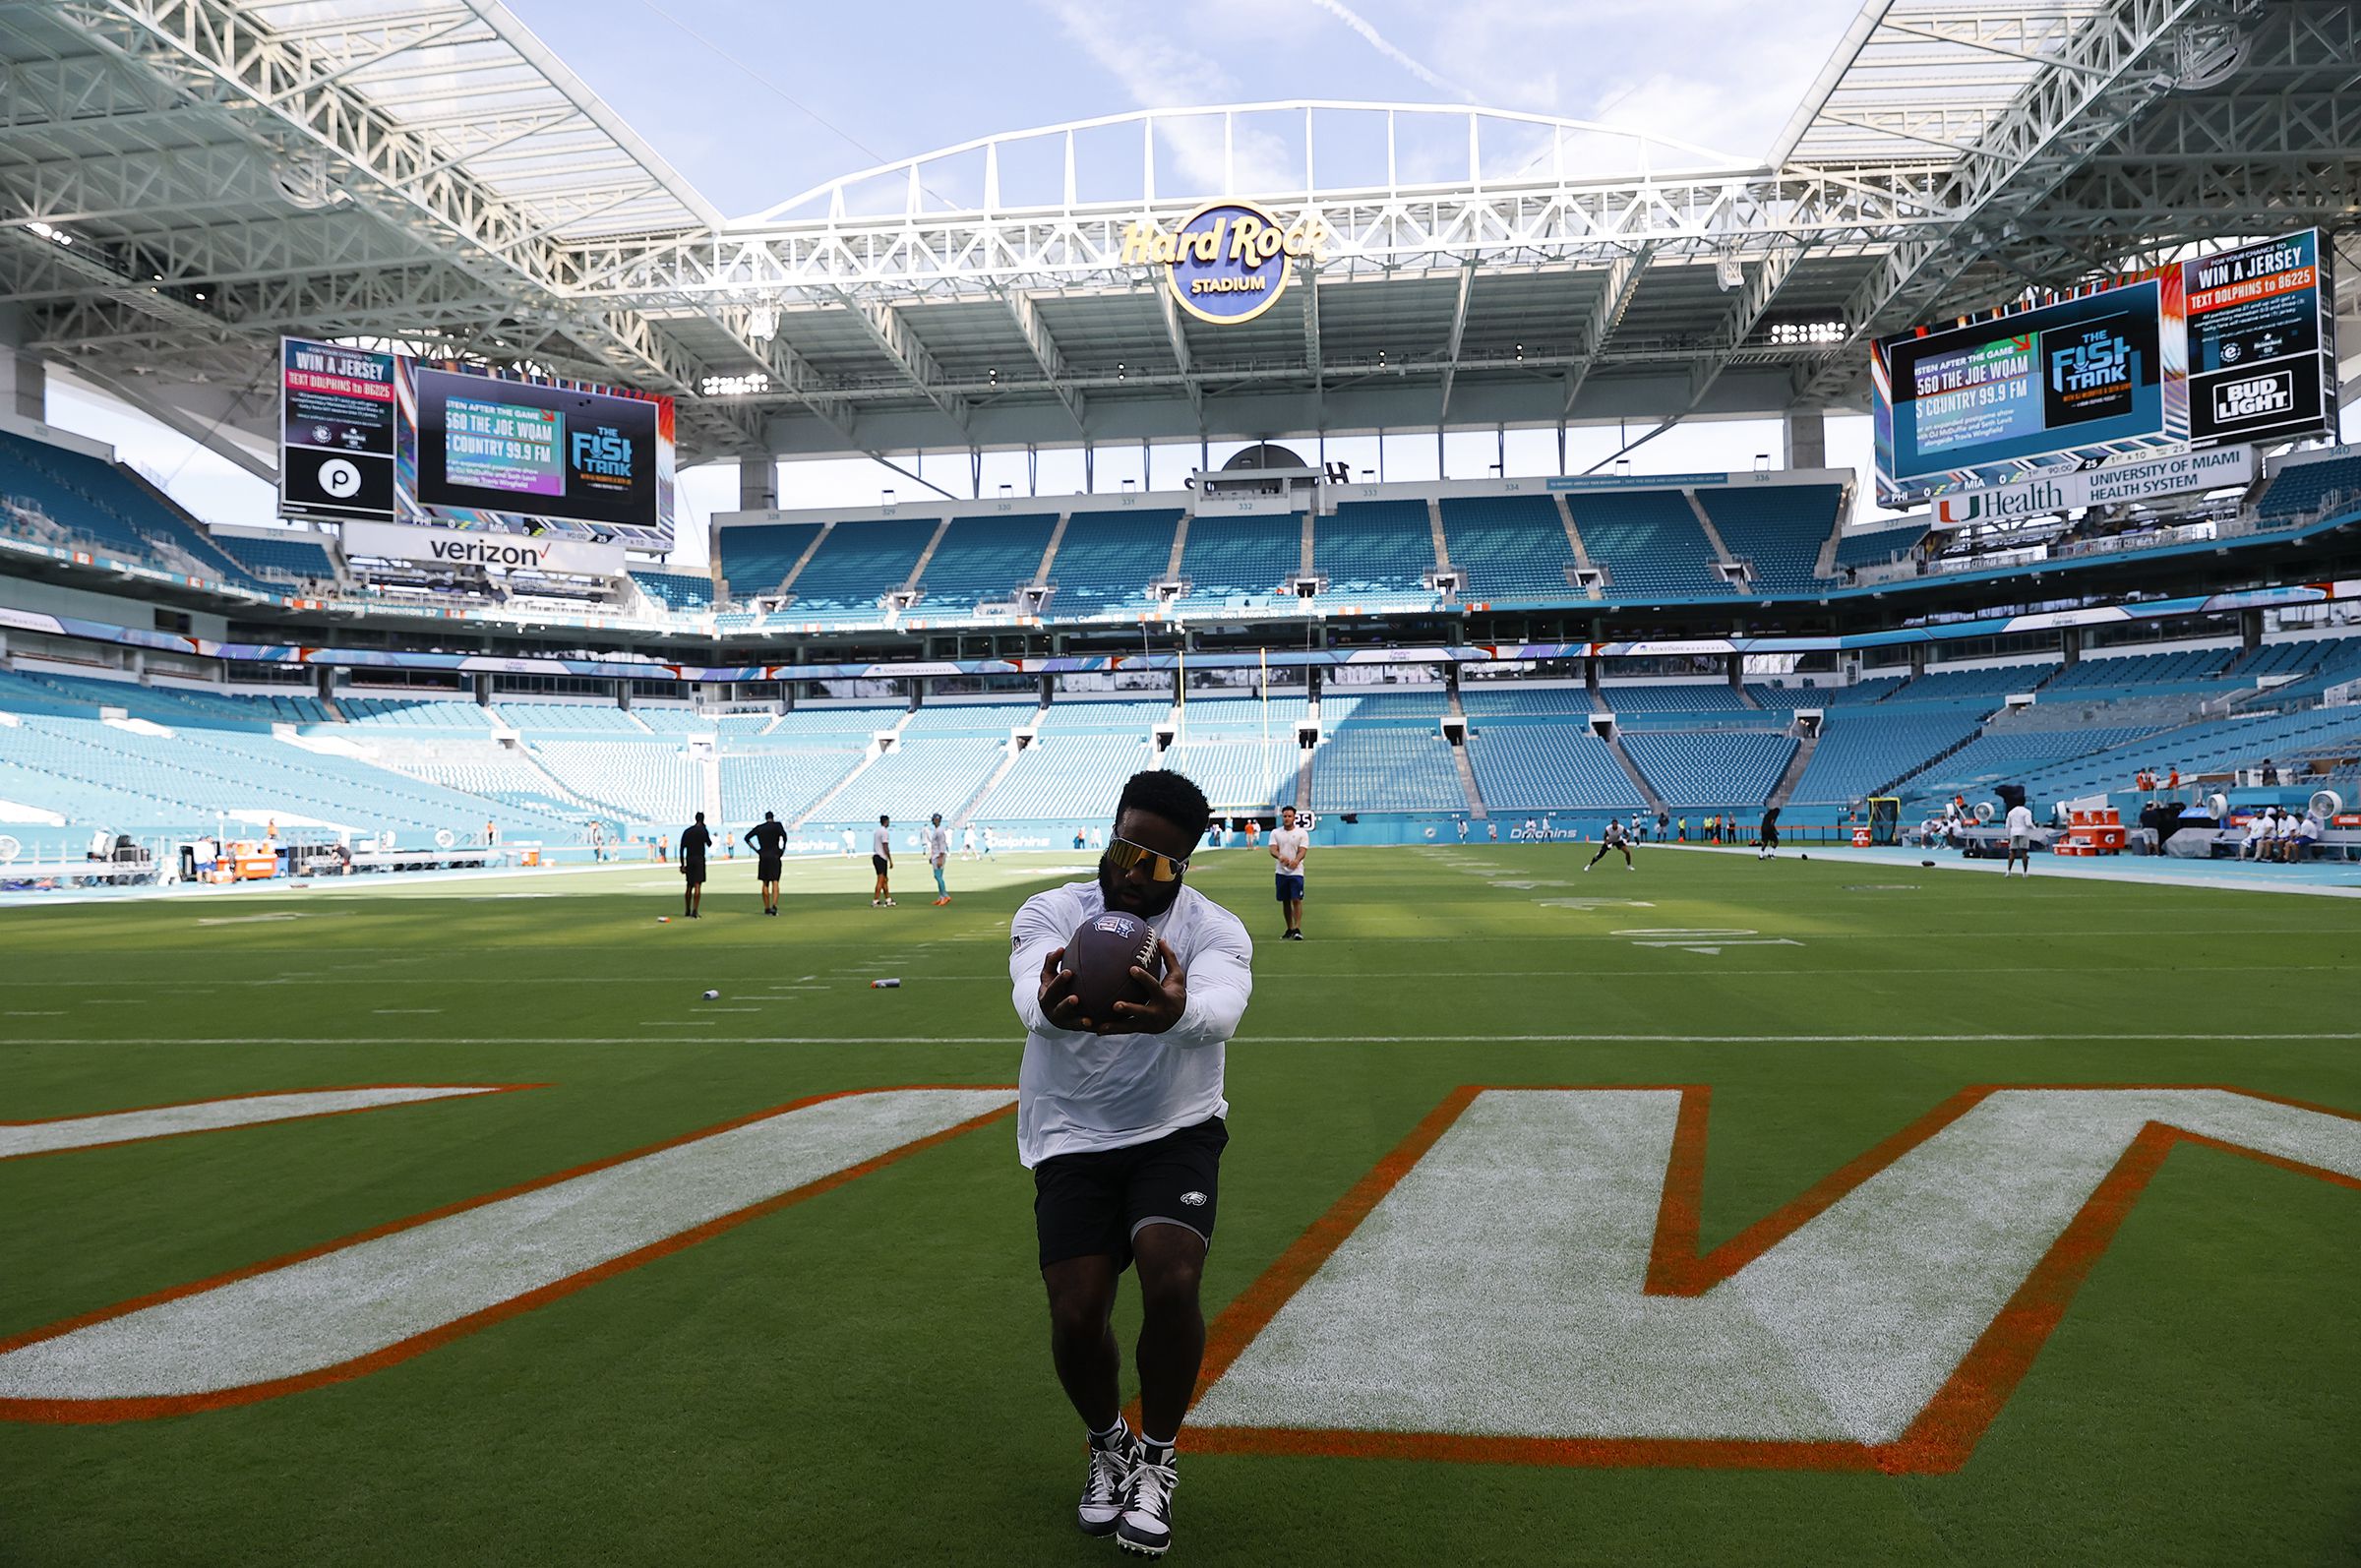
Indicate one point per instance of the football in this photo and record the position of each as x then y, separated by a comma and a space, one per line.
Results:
1100, 956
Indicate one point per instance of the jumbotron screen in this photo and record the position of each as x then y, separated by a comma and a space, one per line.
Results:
2233, 346
370, 436
534, 448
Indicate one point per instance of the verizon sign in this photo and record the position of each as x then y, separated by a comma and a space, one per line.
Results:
463, 547
2212, 469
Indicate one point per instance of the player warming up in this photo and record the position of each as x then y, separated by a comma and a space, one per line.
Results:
880, 860
1616, 837
1769, 847
769, 841
695, 840
1290, 844
1128, 987
938, 853
2021, 839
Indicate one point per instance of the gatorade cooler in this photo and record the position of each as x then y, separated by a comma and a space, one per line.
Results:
1861, 838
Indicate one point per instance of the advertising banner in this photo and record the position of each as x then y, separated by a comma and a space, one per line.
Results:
335, 431
470, 547
2262, 341
2178, 474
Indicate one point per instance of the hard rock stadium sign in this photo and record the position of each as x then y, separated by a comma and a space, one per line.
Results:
1228, 261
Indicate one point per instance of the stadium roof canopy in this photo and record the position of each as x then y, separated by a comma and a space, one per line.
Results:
181, 181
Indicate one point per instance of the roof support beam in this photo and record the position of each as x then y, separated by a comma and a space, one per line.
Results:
1309, 284
1459, 330
1177, 335
890, 331
1027, 312
1615, 291
2092, 91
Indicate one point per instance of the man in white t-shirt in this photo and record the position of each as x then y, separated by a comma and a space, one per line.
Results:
2298, 834
2021, 839
880, 860
1121, 1121
967, 843
849, 841
2257, 844
1288, 845
938, 852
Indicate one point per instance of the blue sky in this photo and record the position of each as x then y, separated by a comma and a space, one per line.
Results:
755, 100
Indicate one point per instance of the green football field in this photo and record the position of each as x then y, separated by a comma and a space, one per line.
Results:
856, 1370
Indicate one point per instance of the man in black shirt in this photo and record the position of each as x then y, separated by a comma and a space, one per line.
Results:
770, 840
695, 840
1768, 846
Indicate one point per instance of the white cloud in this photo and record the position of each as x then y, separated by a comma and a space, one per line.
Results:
1377, 41
1122, 39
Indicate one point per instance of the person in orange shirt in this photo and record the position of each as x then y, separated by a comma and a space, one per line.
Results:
2174, 782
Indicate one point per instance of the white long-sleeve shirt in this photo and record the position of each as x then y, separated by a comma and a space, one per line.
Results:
1080, 1092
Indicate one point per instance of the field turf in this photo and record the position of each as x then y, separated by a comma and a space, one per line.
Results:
863, 1377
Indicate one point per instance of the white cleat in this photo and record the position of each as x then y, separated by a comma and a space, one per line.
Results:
1146, 1525
1106, 1487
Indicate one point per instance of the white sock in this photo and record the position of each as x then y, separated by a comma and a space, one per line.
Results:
1165, 1443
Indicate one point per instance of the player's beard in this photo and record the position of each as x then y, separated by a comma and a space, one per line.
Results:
1147, 900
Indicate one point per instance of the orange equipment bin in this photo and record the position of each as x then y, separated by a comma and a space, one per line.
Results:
1861, 838
253, 862
529, 857
2094, 832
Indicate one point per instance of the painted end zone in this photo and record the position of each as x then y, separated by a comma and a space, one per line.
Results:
1518, 1282
366, 1302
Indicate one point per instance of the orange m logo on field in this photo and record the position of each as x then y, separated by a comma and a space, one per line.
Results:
1520, 1282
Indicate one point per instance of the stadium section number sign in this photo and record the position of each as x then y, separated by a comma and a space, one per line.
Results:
1228, 261
336, 432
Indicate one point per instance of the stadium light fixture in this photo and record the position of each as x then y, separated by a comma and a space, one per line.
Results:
50, 232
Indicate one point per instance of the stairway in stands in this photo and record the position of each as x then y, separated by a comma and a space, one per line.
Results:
1638, 780
1804, 748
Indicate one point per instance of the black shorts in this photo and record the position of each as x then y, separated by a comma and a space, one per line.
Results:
768, 868
878, 863
1093, 1204
1770, 836
695, 871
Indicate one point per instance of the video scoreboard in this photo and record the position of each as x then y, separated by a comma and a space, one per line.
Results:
2233, 346
381, 438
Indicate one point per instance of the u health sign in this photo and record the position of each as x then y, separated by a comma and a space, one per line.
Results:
1228, 261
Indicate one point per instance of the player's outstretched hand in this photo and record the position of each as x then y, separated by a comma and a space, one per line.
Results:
1165, 1000
1059, 1003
